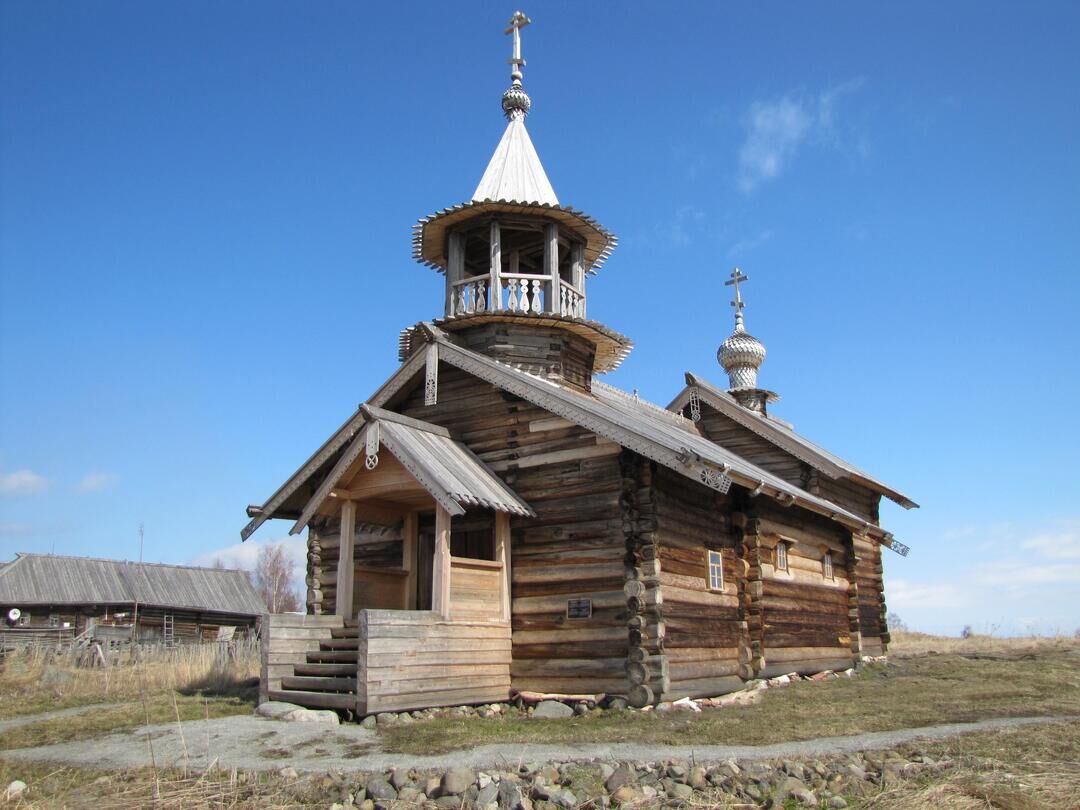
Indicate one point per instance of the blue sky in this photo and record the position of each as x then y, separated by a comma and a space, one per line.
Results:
205, 215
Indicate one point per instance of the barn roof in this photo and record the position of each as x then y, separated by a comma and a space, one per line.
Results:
782, 436
46, 579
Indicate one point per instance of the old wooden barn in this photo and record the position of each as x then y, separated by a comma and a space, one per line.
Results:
48, 597
495, 518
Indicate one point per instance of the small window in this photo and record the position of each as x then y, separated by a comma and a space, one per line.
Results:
716, 571
781, 557
579, 608
54, 620
826, 565
24, 619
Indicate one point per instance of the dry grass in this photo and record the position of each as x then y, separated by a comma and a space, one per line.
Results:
912, 691
1032, 768
54, 786
907, 643
37, 680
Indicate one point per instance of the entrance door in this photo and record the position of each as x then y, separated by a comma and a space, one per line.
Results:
425, 560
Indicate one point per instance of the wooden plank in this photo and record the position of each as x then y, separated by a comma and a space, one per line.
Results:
440, 589
319, 700
343, 599
409, 550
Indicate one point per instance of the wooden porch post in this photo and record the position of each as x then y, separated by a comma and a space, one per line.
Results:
502, 555
551, 266
346, 572
495, 283
455, 269
577, 272
440, 580
409, 543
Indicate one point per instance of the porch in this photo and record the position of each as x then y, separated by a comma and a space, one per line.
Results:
414, 585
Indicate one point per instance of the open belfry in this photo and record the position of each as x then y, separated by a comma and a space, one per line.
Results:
495, 519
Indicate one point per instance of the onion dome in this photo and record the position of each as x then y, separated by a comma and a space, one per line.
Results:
516, 102
741, 355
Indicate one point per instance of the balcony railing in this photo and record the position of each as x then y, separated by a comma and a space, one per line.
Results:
517, 293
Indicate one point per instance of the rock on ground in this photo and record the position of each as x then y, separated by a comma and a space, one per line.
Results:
552, 709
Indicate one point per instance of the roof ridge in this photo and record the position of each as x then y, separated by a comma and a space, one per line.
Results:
39, 555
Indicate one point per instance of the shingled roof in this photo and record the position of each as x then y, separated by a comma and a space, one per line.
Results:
46, 579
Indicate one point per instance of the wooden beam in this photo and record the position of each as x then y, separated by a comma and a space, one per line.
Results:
410, 538
502, 556
455, 268
343, 599
440, 580
496, 266
551, 266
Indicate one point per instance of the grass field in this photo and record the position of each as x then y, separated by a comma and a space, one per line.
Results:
928, 681
919, 687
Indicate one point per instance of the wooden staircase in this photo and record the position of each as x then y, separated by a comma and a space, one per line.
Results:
328, 678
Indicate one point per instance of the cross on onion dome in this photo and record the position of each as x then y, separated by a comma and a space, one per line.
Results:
737, 276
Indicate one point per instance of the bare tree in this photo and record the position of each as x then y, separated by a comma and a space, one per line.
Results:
272, 571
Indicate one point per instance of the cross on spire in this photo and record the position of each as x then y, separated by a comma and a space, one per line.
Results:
517, 22
737, 276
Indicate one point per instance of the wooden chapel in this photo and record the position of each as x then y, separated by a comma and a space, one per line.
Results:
496, 519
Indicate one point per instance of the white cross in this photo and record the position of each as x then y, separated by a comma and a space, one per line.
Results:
736, 277
517, 22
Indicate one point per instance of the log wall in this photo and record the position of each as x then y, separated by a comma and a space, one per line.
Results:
757, 450
871, 596
572, 549
705, 644
414, 660
804, 615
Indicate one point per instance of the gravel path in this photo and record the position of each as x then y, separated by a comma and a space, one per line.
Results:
257, 743
27, 719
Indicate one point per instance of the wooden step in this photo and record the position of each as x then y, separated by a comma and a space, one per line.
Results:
344, 632
314, 700
352, 622
316, 684
340, 644
333, 656
326, 670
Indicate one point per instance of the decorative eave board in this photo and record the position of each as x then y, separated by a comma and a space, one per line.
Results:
654, 437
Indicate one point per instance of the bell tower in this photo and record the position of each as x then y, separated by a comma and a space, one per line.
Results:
516, 260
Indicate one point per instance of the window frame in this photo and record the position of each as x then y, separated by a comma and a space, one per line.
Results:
714, 565
780, 562
828, 567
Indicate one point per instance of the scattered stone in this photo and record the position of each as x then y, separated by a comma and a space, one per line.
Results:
274, 709
681, 791
311, 716
552, 709
487, 795
386, 718
448, 801
621, 777
837, 802
288, 773
399, 778
510, 797
380, 789
431, 786
627, 795
697, 778
618, 704
368, 722
457, 780
15, 790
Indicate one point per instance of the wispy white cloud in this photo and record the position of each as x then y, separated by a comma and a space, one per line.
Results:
22, 482
1042, 568
777, 129
244, 555
96, 482
1061, 543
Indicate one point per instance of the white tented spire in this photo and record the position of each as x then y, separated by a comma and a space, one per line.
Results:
515, 172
